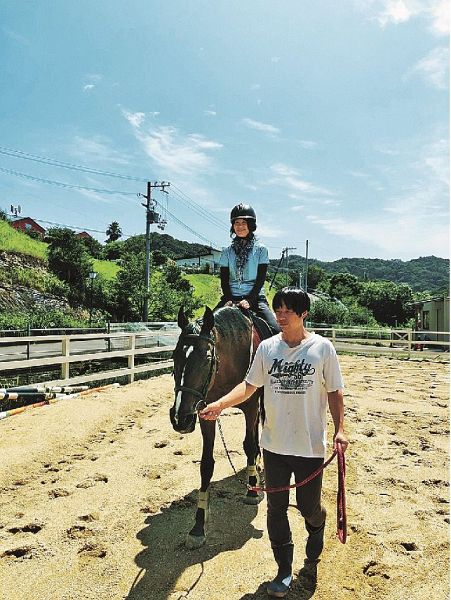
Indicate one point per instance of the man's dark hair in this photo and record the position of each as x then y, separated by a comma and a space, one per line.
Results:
294, 298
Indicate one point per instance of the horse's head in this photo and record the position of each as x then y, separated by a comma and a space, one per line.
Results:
194, 369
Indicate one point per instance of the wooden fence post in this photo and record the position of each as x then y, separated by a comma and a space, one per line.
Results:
409, 343
131, 358
65, 351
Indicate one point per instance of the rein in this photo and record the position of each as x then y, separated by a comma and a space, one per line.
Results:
341, 494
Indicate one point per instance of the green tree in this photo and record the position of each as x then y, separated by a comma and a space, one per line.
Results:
328, 311
388, 301
93, 246
69, 260
113, 250
344, 285
114, 232
168, 291
316, 277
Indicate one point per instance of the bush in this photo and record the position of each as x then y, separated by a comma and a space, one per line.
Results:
42, 318
327, 311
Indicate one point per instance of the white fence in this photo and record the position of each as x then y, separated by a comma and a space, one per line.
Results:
30, 353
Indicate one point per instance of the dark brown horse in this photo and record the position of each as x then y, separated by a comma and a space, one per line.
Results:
211, 357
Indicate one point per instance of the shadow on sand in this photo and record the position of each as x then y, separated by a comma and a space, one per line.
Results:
165, 558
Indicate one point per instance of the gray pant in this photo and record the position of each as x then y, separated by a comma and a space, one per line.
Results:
278, 471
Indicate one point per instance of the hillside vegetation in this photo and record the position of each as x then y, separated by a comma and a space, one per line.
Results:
20, 243
424, 273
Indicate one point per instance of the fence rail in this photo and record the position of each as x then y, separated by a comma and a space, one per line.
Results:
27, 354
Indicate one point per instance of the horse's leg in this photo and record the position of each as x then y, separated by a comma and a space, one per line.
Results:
251, 448
197, 536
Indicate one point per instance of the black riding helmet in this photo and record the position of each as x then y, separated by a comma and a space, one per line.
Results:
244, 211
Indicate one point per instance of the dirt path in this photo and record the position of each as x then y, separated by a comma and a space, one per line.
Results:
98, 494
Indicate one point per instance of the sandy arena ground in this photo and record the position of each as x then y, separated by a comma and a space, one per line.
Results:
98, 494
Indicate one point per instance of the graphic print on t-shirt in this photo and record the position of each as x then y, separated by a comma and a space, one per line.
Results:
290, 377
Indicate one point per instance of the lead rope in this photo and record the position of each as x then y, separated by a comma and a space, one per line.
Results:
341, 494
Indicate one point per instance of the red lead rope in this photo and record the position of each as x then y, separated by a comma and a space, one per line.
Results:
341, 495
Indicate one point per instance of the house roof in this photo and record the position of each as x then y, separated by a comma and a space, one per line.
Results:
28, 220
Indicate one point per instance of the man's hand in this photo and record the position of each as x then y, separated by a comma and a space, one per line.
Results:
211, 412
340, 438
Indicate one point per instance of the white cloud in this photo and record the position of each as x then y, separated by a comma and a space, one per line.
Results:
17, 37
308, 144
291, 179
434, 67
402, 236
135, 119
413, 219
396, 12
275, 59
210, 113
259, 126
88, 87
96, 149
174, 151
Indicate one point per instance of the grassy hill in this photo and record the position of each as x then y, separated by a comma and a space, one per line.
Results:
208, 288
20, 243
106, 268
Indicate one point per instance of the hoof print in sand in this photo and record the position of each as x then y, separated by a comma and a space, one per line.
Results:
59, 493
33, 527
92, 551
19, 552
161, 444
79, 531
373, 569
91, 481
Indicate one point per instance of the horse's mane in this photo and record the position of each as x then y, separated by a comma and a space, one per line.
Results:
230, 321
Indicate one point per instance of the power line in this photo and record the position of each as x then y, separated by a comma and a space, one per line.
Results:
200, 209
65, 165
182, 196
101, 191
66, 185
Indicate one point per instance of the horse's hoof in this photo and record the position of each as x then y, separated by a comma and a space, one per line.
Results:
194, 541
253, 500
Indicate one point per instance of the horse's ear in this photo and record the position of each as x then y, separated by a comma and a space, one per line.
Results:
182, 319
208, 320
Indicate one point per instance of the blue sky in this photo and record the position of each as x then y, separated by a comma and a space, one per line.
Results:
330, 118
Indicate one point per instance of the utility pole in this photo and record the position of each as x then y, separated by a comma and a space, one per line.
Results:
286, 256
151, 217
306, 265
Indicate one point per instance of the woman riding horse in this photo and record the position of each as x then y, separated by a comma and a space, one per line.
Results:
243, 267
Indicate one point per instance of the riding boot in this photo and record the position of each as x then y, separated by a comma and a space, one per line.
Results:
280, 585
315, 541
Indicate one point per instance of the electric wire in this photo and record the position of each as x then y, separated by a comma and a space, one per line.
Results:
184, 224
65, 165
66, 185
183, 197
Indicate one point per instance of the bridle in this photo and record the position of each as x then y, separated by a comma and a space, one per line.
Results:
214, 363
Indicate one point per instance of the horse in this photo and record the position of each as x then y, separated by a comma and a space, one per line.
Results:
211, 357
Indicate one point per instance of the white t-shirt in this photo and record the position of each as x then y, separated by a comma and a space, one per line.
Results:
296, 382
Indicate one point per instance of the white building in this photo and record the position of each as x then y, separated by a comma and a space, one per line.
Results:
201, 261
